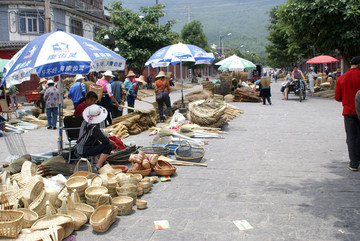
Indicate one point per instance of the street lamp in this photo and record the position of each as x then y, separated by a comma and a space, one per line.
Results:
220, 42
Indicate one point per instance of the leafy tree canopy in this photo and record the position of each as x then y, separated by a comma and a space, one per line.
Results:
137, 36
192, 33
327, 25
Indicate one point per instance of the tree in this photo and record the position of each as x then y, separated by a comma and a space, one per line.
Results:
137, 36
327, 25
192, 33
278, 52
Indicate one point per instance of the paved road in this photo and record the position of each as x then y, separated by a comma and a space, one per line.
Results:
281, 167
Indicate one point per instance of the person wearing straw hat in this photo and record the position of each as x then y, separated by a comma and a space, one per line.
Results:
163, 86
130, 79
133, 91
92, 141
41, 89
51, 97
77, 90
107, 94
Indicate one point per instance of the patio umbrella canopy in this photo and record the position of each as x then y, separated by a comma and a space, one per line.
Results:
322, 59
57, 53
235, 63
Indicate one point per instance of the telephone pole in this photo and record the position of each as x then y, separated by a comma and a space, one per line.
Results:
189, 13
47, 17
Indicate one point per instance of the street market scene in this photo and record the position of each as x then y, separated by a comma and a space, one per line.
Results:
125, 121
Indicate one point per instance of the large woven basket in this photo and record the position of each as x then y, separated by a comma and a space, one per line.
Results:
84, 208
79, 183
95, 192
193, 154
33, 188
164, 168
39, 204
124, 204
29, 217
88, 174
98, 89
28, 169
103, 217
11, 223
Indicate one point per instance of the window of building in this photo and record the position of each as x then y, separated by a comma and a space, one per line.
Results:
31, 23
76, 27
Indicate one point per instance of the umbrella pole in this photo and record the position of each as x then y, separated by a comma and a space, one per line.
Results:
61, 99
182, 86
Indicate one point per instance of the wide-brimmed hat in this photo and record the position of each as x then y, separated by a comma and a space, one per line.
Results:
130, 74
79, 76
311, 68
50, 81
141, 79
94, 114
42, 80
108, 73
161, 74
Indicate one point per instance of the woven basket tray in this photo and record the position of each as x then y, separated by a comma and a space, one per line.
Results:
155, 150
193, 154
103, 217
144, 173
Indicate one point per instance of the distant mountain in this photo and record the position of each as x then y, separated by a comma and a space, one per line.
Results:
247, 20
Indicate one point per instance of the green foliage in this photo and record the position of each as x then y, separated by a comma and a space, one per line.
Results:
327, 25
192, 33
138, 37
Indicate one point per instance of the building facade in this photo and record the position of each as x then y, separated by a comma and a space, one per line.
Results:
22, 21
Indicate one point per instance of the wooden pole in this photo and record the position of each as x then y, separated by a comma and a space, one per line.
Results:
47, 17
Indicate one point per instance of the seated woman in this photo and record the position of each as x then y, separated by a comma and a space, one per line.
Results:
90, 99
91, 140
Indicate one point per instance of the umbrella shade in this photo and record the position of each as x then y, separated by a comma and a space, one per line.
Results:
58, 53
177, 53
235, 63
322, 59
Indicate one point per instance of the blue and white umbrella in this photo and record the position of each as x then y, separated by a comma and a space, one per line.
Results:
57, 53
177, 53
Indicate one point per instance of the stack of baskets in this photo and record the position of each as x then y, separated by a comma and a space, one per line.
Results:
94, 193
78, 183
110, 182
124, 204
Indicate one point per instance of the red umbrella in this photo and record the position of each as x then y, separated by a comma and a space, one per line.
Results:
322, 59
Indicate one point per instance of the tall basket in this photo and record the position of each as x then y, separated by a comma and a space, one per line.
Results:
15, 144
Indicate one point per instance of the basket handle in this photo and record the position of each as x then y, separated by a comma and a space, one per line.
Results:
25, 202
75, 197
4, 202
50, 211
76, 169
16, 204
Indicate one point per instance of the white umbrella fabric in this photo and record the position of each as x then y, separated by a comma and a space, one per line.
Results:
235, 63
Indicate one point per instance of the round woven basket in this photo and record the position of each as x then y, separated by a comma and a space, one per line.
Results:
193, 154
33, 188
141, 204
164, 168
84, 208
96, 181
146, 172
78, 183
140, 191
129, 194
126, 188
95, 192
29, 217
145, 184
124, 204
159, 150
103, 217
128, 180
28, 169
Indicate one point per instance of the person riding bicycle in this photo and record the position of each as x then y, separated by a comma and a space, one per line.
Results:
296, 75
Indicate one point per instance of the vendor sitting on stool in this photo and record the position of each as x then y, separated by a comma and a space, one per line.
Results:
91, 140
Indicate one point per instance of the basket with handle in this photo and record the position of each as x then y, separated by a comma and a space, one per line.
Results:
88, 174
82, 207
189, 153
29, 216
39, 204
11, 223
68, 208
33, 188
98, 89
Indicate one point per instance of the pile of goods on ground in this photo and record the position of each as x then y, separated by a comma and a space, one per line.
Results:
245, 95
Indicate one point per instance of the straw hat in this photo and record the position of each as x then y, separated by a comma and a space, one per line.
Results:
50, 81
141, 79
108, 73
79, 76
130, 74
161, 74
42, 80
94, 114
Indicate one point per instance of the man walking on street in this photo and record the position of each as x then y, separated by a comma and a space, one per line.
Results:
346, 88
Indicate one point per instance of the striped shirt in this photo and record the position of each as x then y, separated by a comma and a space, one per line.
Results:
89, 135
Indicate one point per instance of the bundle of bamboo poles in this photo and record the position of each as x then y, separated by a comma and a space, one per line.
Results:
231, 111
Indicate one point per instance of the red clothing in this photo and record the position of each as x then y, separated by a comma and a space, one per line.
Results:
80, 108
346, 87
160, 85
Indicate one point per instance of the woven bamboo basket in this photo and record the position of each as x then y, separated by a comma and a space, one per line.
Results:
136, 158
120, 169
128, 180
141, 204
28, 169
104, 199
33, 188
78, 217
98, 89
126, 188
103, 217
96, 181
78, 183
65, 221
106, 169
129, 194
140, 191
164, 168
29, 217
194, 154
154, 179
39, 204
95, 192
146, 172
145, 184
88, 174
153, 158
38, 235
61, 195
11, 223
159, 150
109, 179
124, 205
84, 208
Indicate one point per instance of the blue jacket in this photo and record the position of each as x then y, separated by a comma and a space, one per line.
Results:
77, 91
133, 93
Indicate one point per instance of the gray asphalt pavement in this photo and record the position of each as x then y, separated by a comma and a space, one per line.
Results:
282, 168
